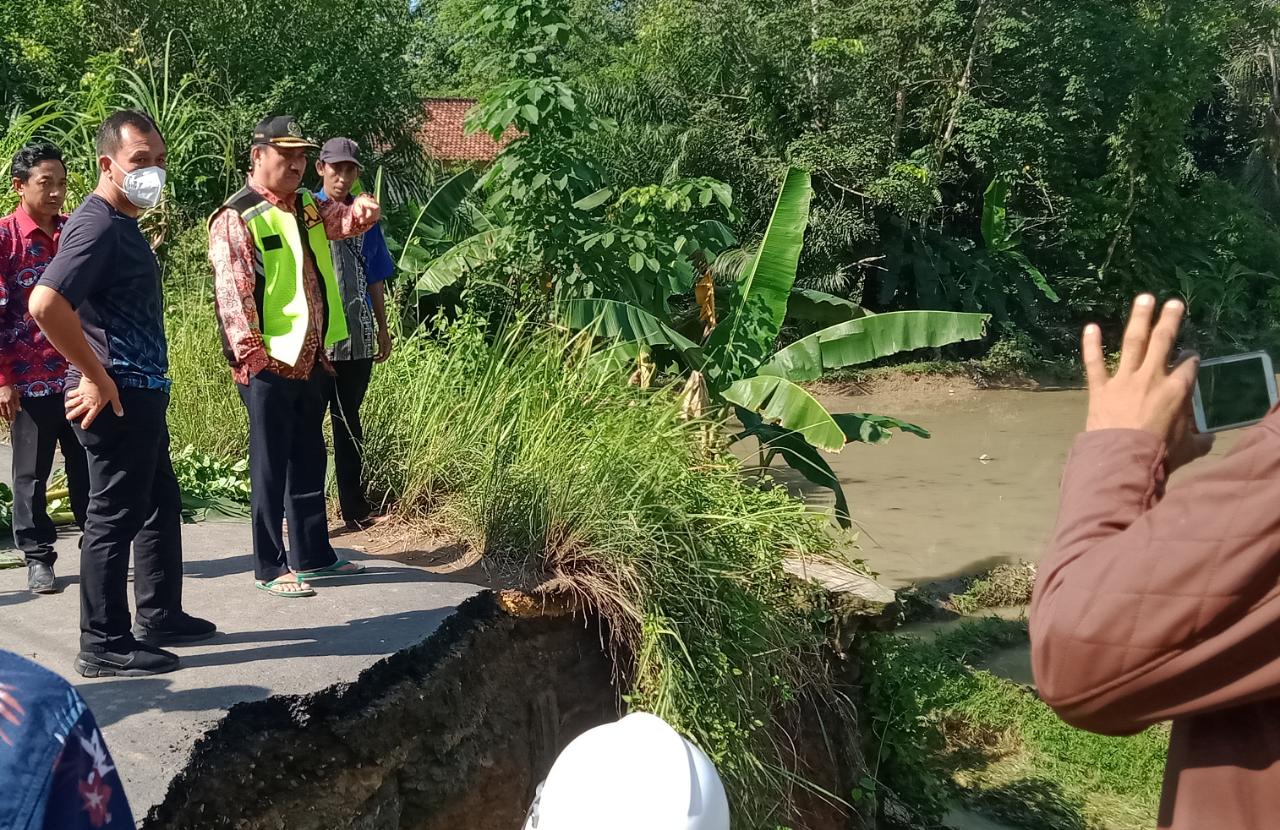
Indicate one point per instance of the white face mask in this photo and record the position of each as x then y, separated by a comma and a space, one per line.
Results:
143, 187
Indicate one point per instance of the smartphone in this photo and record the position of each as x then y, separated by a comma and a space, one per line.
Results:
1233, 392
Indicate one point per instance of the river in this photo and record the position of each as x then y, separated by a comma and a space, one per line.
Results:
982, 491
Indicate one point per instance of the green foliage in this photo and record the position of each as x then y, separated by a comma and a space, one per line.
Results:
339, 65
941, 730
191, 113
564, 467
1132, 139
744, 368
553, 225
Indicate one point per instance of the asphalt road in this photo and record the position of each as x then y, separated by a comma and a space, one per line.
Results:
267, 646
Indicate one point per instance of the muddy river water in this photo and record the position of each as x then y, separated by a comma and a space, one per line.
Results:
983, 490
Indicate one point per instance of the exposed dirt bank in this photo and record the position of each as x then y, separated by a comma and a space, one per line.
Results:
455, 732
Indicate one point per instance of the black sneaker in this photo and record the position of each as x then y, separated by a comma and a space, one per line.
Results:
139, 661
182, 628
40, 578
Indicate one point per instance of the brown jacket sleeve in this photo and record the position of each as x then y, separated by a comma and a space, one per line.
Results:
1150, 609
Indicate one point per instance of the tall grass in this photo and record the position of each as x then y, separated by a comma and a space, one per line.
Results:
538, 456
205, 410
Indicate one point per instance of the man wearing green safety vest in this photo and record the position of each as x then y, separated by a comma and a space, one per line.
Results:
280, 308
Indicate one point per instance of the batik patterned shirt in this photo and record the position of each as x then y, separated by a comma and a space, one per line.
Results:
56, 771
232, 255
28, 361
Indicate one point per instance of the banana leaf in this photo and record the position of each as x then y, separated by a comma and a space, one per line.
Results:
628, 323
870, 338
451, 266
1001, 241
442, 208
615, 358
746, 334
995, 228
820, 307
874, 429
781, 402
799, 455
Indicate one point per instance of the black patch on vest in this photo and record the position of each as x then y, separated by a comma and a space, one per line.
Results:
272, 243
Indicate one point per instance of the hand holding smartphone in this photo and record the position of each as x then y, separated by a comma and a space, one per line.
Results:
1233, 392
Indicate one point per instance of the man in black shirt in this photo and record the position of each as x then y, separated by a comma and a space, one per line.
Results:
99, 304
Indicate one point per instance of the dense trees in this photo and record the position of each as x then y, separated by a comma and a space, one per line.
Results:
1140, 139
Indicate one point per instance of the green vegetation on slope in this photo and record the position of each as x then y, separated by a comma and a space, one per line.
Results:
943, 730
538, 455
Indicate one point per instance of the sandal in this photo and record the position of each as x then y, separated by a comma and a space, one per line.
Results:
276, 588
332, 571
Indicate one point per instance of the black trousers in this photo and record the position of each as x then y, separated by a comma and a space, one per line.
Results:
346, 397
39, 429
287, 460
133, 502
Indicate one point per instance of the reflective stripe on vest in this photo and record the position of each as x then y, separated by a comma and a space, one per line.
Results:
277, 240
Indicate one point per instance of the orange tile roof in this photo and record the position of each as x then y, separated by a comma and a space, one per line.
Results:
443, 137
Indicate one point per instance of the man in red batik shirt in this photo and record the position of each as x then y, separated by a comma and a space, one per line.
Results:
32, 373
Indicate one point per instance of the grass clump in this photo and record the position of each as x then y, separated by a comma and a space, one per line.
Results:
1001, 587
943, 731
539, 456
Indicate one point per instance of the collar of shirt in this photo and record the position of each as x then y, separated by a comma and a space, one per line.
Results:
28, 227
273, 199
324, 197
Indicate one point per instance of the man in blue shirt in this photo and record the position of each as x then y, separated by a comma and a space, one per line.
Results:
362, 265
99, 303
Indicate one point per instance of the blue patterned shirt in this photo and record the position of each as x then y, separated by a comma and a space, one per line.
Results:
107, 271
56, 771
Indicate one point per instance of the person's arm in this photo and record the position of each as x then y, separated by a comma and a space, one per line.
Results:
1149, 608
72, 276
231, 255
345, 221
61, 326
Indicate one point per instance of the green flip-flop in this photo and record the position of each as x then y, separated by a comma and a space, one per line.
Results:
333, 571
274, 588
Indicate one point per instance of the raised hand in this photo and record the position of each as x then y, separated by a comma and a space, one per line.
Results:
1147, 391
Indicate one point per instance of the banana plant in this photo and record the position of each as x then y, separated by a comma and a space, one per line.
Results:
744, 370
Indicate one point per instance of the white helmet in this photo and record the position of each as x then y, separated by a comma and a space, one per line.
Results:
636, 774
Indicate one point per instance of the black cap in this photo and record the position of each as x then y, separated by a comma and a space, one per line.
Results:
338, 150
281, 131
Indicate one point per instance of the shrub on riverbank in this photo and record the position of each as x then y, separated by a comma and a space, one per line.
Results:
536, 455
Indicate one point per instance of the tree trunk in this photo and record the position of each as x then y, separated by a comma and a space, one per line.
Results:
899, 117
814, 90
1272, 129
966, 79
